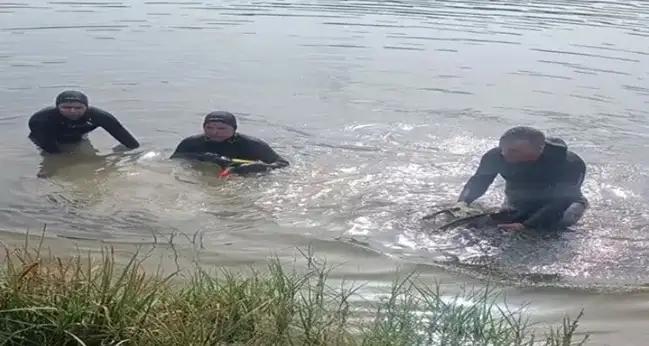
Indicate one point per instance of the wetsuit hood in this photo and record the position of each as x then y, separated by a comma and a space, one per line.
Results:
221, 117
72, 96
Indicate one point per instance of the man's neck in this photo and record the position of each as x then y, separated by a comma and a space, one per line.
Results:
208, 139
84, 117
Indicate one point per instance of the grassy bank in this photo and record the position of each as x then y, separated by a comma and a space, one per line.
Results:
45, 300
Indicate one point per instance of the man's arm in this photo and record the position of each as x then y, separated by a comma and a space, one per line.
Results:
43, 133
182, 149
267, 155
271, 158
260, 151
483, 177
563, 193
109, 123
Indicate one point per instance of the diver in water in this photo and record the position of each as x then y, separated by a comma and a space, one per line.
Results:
543, 180
71, 120
220, 143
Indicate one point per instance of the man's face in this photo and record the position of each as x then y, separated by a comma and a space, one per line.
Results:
517, 151
72, 110
217, 131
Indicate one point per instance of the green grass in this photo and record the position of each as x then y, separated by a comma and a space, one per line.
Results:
47, 300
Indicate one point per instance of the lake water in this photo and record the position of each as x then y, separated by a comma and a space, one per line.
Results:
383, 109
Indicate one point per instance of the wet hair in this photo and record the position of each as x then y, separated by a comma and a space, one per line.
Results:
524, 133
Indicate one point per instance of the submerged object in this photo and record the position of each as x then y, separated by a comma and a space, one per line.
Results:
457, 216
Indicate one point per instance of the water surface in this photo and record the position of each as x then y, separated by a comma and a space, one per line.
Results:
383, 109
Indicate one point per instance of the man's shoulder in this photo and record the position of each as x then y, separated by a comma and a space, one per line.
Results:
251, 140
45, 114
573, 157
493, 154
199, 138
99, 114
559, 145
556, 141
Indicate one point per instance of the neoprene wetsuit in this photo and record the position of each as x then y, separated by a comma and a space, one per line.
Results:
540, 191
240, 146
49, 128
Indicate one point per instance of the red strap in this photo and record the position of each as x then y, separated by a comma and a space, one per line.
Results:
225, 173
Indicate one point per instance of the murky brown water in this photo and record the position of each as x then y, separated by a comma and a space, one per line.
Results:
383, 108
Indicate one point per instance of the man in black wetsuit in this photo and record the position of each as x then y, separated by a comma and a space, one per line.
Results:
220, 143
543, 180
71, 120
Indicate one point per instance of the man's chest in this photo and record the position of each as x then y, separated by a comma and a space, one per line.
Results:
77, 127
533, 173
